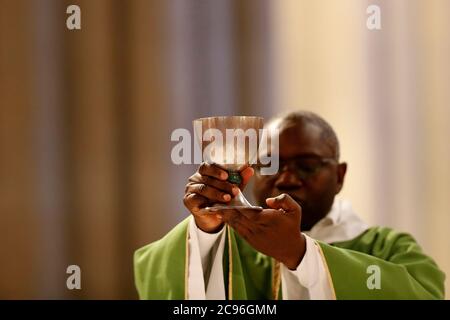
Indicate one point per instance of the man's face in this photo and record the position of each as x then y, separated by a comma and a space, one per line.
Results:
308, 172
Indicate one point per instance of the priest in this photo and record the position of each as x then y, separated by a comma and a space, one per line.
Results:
305, 243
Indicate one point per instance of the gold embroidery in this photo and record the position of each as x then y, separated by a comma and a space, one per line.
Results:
230, 266
330, 280
276, 278
186, 265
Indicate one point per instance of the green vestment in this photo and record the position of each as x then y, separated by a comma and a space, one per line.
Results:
405, 271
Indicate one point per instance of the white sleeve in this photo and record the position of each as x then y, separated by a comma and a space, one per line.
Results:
310, 280
205, 267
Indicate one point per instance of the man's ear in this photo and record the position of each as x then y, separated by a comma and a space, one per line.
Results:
341, 170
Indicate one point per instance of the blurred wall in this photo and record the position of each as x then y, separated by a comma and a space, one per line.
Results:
84, 144
86, 117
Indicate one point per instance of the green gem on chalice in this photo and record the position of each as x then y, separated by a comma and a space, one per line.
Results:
234, 177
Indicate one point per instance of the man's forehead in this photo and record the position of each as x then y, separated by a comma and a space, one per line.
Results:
297, 138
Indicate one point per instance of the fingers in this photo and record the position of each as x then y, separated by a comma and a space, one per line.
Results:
209, 192
238, 221
210, 183
207, 186
224, 186
283, 201
243, 230
194, 202
214, 171
211, 170
253, 214
197, 204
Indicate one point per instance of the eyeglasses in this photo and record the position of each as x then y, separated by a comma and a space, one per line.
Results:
304, 167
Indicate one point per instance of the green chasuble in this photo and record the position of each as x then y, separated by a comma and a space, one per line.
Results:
405, 271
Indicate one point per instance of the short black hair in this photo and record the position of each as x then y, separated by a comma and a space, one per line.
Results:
307, 117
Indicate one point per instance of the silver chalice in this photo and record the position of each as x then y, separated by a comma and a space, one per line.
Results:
231, 143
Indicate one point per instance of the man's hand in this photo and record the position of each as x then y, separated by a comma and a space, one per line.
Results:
207, 187
274, 232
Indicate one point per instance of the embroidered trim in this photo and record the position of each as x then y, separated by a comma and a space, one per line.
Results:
186, 266
230, 266
276, 279
330, 280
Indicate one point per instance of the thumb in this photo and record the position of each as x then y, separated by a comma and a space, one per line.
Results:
285, 202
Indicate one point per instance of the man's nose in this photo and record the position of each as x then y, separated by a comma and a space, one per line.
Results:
288, 180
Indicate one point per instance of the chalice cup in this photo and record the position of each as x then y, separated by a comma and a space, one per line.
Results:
231, 143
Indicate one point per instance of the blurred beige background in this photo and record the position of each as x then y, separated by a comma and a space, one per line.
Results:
86, 117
